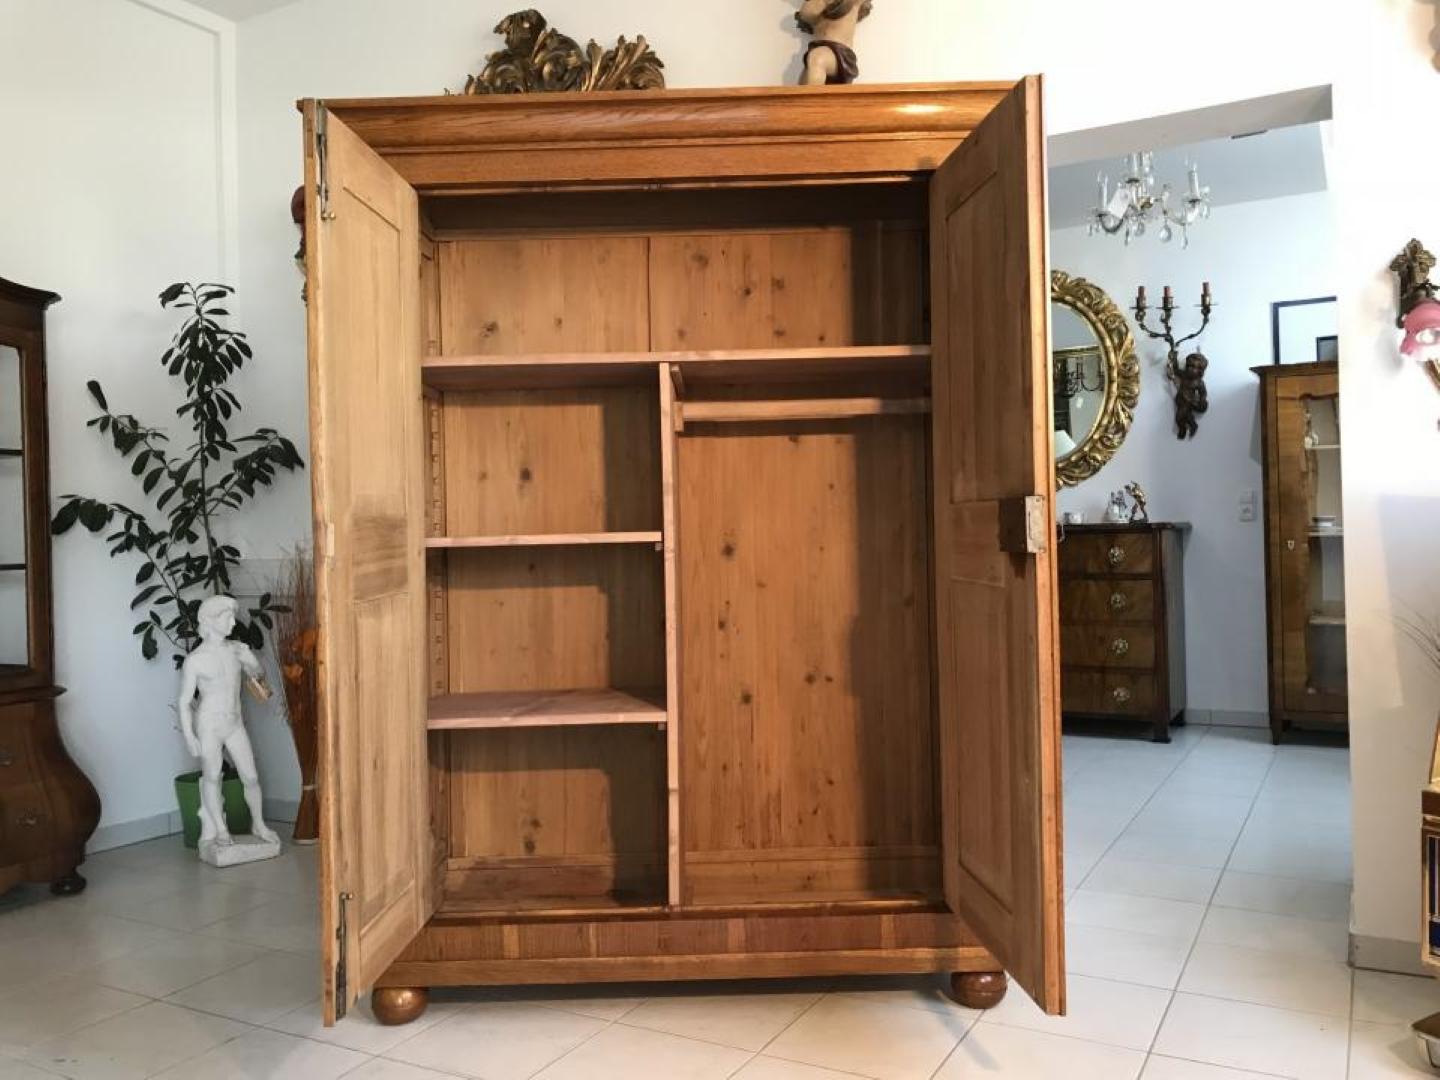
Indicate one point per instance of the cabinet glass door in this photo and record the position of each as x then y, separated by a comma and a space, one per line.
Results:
1324, 585
14, 608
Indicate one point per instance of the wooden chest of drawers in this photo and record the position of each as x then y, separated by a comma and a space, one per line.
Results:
1122, 623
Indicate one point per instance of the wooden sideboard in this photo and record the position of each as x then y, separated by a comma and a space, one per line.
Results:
1122, 623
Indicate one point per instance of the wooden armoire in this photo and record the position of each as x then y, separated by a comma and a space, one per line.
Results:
684, 524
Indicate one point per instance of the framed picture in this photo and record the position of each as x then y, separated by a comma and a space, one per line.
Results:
1327, 348
1297, 328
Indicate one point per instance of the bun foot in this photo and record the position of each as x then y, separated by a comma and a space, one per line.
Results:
69, 885
394, 1005
978, 989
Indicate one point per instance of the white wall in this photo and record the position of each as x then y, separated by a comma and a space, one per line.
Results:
1385, 187
117, 179
1252, 253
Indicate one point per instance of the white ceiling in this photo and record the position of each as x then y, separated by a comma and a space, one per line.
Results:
239, 10
1283, 161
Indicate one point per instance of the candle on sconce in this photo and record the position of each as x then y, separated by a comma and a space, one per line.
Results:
1140, 297
1205, 292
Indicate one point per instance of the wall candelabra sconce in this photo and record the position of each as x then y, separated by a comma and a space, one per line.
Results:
1419, 310
1192, 399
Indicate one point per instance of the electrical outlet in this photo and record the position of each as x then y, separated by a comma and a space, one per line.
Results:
1249, 504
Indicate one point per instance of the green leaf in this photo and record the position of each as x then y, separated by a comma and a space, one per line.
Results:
148, 648
145, 573
170, 295
66, 517
143, 595
97, 394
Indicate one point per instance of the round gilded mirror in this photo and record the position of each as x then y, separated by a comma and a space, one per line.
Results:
1096, 377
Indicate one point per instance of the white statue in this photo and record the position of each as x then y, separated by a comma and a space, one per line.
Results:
211, 720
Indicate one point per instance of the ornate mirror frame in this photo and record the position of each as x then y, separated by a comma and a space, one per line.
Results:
1122, 376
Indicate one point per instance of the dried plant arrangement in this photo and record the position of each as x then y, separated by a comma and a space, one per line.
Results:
296, 632
1424, 632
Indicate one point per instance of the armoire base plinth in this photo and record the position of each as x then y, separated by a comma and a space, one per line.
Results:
394, 1005
979, 989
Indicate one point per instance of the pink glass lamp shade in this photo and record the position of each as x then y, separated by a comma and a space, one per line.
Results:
1422, 332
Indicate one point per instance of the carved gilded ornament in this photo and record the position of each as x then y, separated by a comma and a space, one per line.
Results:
538, 59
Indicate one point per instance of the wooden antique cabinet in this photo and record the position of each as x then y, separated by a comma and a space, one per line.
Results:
47, 807
683, 504
1304, 546
1122, 623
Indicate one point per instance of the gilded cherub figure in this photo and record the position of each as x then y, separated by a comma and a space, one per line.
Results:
831, 58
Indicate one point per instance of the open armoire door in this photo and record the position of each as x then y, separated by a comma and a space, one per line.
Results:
996, 626
363, 278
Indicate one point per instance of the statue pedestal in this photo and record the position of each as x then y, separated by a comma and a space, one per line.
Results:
241, 849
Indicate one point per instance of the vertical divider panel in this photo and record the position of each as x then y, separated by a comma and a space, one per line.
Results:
437, 568
670, 525
435, 571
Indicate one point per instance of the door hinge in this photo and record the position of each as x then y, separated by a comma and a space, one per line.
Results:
322, 162
342, 948
1024, 528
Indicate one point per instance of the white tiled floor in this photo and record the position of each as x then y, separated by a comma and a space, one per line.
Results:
1204, 943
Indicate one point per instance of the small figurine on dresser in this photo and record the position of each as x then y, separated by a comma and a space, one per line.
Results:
1140, 511
1116, 512
213, 725
831, 58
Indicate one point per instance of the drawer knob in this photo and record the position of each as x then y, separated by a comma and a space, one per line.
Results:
1121, 694
1116, 555
1120, 646
30, 820
1119, 601
6, 759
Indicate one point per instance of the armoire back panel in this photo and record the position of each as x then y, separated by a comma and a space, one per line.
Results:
556, 618
541, 815
540, 294
791, 288
805, 637
552, 461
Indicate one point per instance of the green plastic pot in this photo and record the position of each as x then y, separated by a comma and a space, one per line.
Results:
232, 793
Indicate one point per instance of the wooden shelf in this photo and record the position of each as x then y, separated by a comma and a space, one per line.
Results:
1327, 619
544, 540
12, 566
1339, 531
1324, 446
546, 708
8, 451
792, 409
541, 370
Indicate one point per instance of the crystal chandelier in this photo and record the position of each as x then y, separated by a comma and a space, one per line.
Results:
1071, 377
1134, 205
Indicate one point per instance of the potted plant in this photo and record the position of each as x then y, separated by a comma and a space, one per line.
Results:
182, 561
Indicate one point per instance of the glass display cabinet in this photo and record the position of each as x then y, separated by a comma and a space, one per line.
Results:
48, 809
1305, 546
